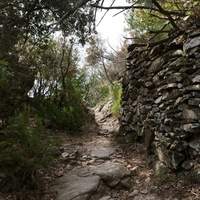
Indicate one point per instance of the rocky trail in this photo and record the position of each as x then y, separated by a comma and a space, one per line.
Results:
96, 167
98, 170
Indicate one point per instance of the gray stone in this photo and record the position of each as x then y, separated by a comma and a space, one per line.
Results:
171, 159
194, 102
106, 198
126, 182
149, 84
168, 86
75, 187
175, 77
158, 100
195, 142
156, 64
190, 114
145, 191
166, 141
112, 173
179, 145
144, 197
134, 171
134, 193
102, 153
161, 168
196, 79
191, 128
192, 43
193, 87
188, 164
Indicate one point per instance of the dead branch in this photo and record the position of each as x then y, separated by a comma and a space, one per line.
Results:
166, 13
159, 31
124, 7
152, 44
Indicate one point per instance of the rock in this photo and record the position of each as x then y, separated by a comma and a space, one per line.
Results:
144, 197
102, 153
156, 64
126, 182
196, 79
160, 168
192, 43
79, 184
106, 198
112, 173
179, 145
191, 128
193, 87
134, 193
190, 114
195, 143
134, 171
171, 159
188, 164
144, 191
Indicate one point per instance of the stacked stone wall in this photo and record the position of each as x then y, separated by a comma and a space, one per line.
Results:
161, 99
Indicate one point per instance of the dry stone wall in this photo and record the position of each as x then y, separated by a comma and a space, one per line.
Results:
161, 99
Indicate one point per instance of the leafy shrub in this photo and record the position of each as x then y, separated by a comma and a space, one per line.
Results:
6, 108
104, 90
24, 148
67, 111
66, 117
116, 93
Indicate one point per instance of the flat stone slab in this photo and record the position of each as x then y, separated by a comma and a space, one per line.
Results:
102, 153
112, 173
79, 184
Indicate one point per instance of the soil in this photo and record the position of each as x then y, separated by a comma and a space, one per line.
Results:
145, 183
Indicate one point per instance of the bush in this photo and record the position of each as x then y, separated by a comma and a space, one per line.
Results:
64, 111
24, 148
104, 90
116, 93
61, 118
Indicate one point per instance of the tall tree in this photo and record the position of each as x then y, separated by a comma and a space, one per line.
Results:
27, 25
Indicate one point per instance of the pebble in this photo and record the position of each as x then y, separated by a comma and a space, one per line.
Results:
134, 170
105, 198
134, 193
144, 191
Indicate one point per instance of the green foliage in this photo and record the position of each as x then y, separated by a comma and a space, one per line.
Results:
104, 90
5, 73
24, 147
68, 117
116, 93
160, 17
66, 111
193, 10
5, 76
25, 47
142, 21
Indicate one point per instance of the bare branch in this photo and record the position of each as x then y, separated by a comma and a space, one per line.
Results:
124, 7
159, 17
159, 31
166, 13
152, 44
105, 12
78, 5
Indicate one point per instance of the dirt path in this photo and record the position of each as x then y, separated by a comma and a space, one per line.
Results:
91, 166
97, 146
